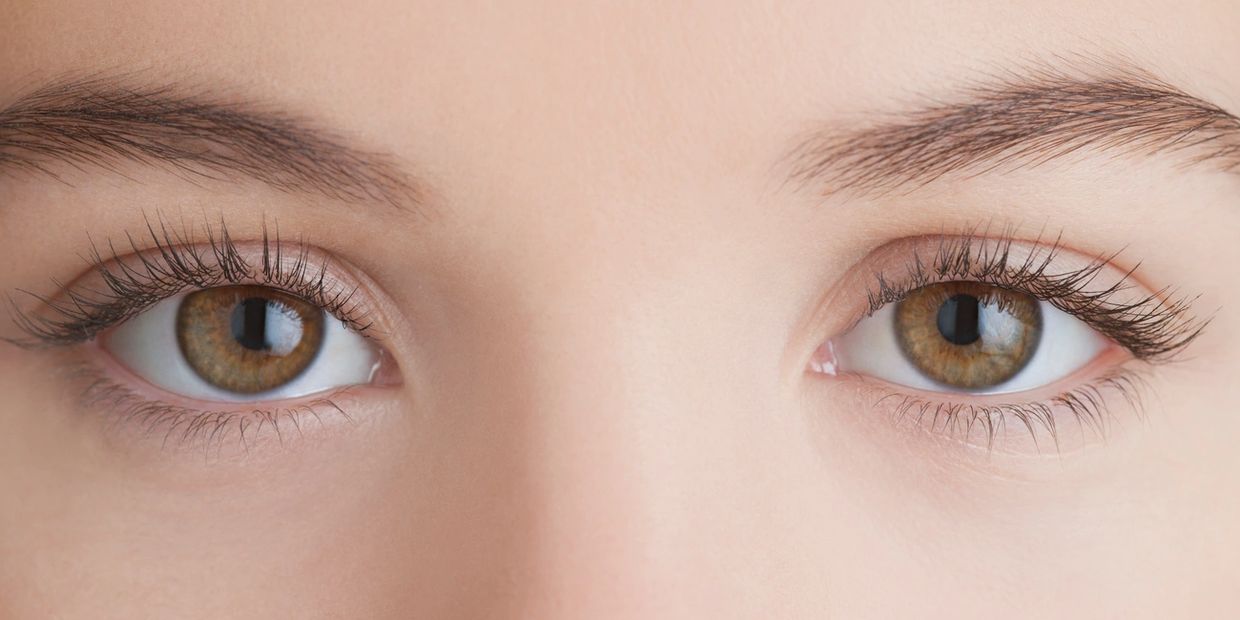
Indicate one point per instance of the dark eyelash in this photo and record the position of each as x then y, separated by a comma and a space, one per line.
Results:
1153, 327
175, 264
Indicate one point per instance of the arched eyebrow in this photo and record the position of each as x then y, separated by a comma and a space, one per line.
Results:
104, 121
1022, 119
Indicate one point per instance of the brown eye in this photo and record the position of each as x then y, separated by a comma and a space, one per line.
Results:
248, 339
968, 335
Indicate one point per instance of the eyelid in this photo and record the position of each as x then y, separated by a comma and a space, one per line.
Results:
1055, 420
118, 287
1145, 326
1148, 323
144, 418
129, 278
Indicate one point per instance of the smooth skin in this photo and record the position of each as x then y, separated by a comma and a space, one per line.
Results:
600, 315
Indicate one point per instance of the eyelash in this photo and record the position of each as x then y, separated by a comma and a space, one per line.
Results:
207, 430
175, 265
1152, 328
1087, 404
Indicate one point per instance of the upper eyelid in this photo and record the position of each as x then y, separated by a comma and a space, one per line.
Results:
174, 264
1150, 324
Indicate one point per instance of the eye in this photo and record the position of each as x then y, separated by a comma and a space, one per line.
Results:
242, 344
968, 337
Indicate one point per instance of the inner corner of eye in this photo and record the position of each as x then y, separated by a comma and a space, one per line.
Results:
963, 337
243, 343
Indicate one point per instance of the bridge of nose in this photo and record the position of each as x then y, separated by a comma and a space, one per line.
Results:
638, 421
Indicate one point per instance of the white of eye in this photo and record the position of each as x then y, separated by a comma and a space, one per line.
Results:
1066, 345
147, 345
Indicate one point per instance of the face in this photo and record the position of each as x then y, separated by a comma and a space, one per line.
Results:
831, 309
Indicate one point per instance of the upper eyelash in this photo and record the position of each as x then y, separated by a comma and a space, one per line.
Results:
1155, 327
173, 265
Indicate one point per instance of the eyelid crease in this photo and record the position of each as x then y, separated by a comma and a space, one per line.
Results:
136, 281
1154, 326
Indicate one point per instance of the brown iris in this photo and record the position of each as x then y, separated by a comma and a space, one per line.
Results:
968, 335
248, 339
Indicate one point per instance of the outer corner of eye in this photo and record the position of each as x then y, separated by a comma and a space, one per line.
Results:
964, 337
243, 344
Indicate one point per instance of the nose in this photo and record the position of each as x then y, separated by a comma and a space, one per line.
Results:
631, 442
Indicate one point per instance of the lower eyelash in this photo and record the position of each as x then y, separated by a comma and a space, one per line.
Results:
185, 428
1088, 405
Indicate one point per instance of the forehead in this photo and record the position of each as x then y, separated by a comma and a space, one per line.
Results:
598, 94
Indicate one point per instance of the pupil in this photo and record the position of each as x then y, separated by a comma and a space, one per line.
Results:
959, 321
249, 324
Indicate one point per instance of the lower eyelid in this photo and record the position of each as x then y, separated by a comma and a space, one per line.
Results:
137, 416
1084, 409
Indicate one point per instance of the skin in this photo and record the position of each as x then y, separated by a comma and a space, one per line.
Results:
601, 317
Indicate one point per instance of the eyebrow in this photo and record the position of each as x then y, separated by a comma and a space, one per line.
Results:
102, 122
1022, 119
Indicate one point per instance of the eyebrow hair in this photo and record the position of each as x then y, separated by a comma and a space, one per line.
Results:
100, 122
1022, 119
